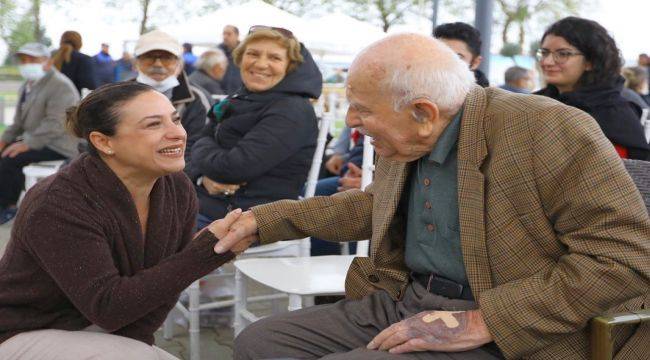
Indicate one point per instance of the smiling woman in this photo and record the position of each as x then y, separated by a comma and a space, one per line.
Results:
260, 141
93, 264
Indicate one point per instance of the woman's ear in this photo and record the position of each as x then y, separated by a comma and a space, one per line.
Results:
101, 142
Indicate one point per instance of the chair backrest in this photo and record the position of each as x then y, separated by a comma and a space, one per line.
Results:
367, 169
640, 172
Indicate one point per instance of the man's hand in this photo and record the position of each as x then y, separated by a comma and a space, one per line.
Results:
241, 234
215, 188
334, 164
2, 146
351, 179
445, 331
15, 149
221, 227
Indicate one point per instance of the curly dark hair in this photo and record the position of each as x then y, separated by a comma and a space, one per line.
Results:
463, 32
593, 41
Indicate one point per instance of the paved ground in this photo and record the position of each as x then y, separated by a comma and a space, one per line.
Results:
216, 342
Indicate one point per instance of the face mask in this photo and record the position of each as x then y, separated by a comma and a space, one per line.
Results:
161, 86
31, 72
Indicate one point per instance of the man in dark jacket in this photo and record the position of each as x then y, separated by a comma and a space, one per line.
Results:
158, 64
464, 40
210, 70
232, 80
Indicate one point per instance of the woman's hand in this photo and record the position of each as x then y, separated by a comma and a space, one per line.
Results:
215, 188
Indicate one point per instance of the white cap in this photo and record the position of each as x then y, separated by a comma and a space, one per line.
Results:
34, 49
158, 40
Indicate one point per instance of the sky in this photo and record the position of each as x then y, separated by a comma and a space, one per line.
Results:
625, 19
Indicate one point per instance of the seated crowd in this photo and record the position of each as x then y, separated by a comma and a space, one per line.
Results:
500, 222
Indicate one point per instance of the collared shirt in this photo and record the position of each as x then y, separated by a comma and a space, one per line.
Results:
433, 228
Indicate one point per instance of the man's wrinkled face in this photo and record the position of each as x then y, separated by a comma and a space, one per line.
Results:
394, 133
158, 64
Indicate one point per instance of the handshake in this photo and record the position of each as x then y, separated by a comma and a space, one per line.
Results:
236, 232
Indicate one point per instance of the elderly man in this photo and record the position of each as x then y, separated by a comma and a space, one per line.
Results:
158, 63
518, 80
38, 131
210, 69
500, 224
232, 80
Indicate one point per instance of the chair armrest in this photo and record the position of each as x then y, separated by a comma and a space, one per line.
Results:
601, 331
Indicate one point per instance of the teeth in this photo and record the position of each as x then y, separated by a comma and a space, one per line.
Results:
171, 151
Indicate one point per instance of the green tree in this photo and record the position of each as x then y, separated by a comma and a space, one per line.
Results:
520, 13
386, 12
7, 17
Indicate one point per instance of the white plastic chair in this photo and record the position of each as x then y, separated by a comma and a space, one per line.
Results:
38, 171
292, 248
301, 278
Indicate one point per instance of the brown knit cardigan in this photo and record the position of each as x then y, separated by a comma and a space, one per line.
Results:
77, 255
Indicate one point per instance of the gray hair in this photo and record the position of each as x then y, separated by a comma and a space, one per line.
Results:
446, 84
210, 58
515, 73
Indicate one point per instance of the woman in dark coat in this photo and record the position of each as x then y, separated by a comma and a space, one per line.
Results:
258, 147
100, 251
76, 66
581, 65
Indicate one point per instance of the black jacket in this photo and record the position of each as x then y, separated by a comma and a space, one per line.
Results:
81, 70
618, 118
264, 140
200, 78
231, 81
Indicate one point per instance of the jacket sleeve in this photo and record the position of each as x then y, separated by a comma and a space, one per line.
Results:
73, 247
275, 138
194, 119
598, 216
52, 125
344, 216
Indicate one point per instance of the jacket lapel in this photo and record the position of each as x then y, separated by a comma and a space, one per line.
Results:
386, 199
472, 150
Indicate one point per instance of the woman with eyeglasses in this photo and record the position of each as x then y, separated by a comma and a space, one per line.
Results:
581, 66
259, 144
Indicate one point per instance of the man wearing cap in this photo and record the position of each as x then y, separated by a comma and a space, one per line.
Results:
158, 61
38, 131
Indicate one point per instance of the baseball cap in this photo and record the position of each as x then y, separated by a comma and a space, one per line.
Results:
157, 40
34, 49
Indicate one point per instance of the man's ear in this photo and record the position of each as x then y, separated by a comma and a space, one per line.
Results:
475, 62
101, 142
426, 114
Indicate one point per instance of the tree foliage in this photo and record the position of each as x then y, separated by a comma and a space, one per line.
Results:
520, 14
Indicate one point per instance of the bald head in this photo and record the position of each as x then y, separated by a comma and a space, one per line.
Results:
409, 66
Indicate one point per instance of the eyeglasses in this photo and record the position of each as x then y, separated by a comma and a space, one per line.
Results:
284, 32
150, 58
560, 56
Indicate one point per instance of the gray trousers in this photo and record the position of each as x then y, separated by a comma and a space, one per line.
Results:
342, 330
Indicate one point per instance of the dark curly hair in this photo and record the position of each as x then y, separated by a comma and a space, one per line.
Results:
593, 41
463, 32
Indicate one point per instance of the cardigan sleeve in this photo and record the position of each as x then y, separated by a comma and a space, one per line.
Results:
72, 246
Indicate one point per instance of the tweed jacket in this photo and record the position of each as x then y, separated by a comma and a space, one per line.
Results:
40, 118
553, 230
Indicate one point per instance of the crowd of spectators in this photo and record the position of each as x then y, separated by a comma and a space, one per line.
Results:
163, 143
